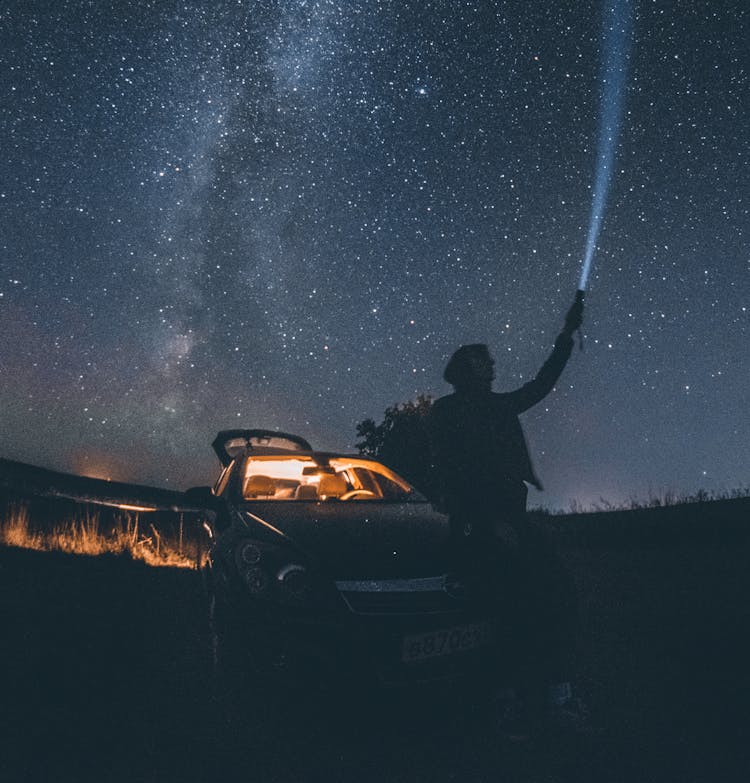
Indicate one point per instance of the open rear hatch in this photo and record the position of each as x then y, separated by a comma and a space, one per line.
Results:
230, 443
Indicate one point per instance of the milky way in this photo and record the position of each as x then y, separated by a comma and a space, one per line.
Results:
289, 214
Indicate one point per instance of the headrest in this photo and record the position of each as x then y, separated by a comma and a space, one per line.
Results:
332, 485
259, 485
306, 492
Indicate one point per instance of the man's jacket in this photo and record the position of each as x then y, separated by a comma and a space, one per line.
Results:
478, 446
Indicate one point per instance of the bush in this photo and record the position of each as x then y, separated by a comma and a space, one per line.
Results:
401, 442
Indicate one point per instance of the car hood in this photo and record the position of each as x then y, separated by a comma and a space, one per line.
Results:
359, 539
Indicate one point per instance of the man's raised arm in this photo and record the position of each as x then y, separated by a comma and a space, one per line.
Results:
537, 389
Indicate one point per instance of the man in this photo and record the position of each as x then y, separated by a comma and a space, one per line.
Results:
482, 465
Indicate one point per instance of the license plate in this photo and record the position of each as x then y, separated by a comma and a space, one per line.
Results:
445, 641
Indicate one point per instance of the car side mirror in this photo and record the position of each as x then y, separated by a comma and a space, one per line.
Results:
202, 498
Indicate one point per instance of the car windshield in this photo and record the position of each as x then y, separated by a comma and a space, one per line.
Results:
303, 478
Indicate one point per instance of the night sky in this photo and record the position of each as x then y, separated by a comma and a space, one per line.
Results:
289, 214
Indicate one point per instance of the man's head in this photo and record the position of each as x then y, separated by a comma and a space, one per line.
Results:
470, 367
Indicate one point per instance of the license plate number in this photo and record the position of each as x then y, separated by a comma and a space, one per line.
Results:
445, 641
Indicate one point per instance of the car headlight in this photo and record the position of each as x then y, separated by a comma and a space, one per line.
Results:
256, 580
251, 559
249, 553
268, 572
294, 583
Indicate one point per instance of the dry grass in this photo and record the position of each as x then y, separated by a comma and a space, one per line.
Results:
82, 534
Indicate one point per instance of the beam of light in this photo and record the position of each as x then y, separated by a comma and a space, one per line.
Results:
617, 24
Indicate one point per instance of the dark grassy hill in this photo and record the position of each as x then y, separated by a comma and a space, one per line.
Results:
698, 523
106, 675
102, 663
106, 663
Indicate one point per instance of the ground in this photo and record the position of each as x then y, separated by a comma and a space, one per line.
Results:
106, 678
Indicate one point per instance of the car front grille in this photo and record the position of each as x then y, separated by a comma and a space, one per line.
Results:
402, 596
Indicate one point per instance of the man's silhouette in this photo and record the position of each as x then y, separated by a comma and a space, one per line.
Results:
482, 466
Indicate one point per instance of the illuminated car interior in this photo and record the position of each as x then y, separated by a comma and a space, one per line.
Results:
303, 478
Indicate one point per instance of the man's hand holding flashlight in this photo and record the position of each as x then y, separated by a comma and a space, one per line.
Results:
574, 316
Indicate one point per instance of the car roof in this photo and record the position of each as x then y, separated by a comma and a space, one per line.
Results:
318, 456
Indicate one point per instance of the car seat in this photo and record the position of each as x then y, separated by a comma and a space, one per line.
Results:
306, 492
257, 486
332, 486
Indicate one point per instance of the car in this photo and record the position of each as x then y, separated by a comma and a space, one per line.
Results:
328, 565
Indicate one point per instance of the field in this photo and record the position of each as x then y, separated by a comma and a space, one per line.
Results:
107, 674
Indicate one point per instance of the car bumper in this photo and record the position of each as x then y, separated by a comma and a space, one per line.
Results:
383, 634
